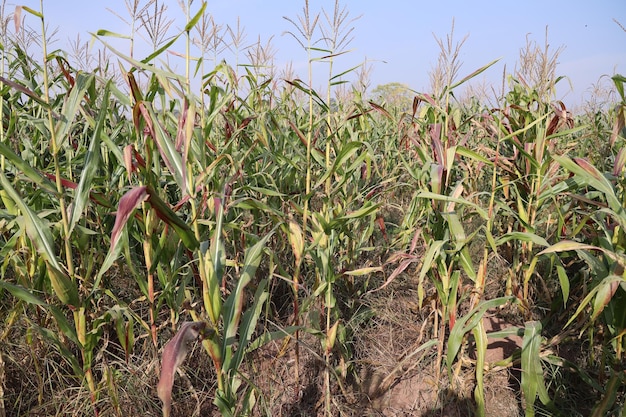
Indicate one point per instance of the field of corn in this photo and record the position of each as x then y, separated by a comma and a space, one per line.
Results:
305, 251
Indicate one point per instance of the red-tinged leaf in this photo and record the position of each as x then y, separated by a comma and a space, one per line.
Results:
401, 268
96, 197
620, 161
590, 169
381, 225
298, 132
173, 356
416, 104
137, 119
65, 68
29, 93
428, 99
182, 122
17, 18
65, 183
605, 294
381, 110
140, 161
134, 88
128, 203
128, 159
618, 125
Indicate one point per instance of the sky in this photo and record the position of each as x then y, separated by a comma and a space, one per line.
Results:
397, 37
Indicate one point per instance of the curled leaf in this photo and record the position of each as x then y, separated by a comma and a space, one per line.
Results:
173, 356
128, 203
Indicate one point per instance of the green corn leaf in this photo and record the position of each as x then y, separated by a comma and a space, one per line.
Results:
434, 249
234, 303
165, 213
267, 337
63, 286
41, 237
90, 168
566, 245
593, 177
434, 196
466, 263
344, 155
563, 281
104, 32
456, 229
172, 158
524, 237
532, 372
22, 293
31, 11
341, 74
64, 352
72, 104
143, 65
248, 324
603, 406
604, 294
192, 22
480, 336
533, 383
598, 306
463, 151
25, 169
64, 324
474, 74
467, 323
214, 270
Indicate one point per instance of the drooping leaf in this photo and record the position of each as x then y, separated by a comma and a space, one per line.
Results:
22, 293
173, 356
127, 205
566, 245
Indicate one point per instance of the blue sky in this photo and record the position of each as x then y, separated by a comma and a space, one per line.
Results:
397, 36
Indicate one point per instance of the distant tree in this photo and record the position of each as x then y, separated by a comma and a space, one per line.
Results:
393, 96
